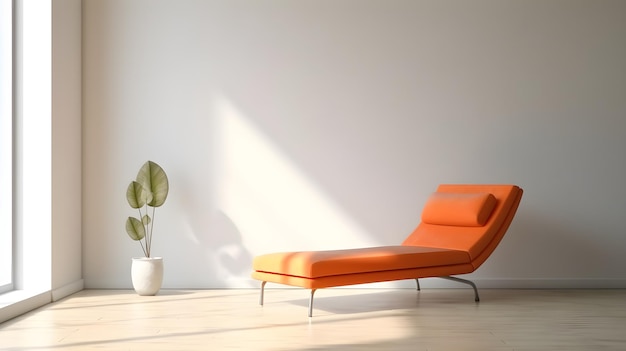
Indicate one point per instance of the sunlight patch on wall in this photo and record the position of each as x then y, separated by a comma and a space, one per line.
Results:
272, 202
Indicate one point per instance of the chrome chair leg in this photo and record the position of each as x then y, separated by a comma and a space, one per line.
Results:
465, 281
311, 303
262, 291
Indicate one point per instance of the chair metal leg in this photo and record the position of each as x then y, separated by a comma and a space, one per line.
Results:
465, 281
262, 291
418, 284
311, 303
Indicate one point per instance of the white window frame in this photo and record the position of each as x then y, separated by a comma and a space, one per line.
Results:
31, 158
6, 147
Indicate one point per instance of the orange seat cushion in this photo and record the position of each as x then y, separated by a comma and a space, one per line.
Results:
458, 209
315, 264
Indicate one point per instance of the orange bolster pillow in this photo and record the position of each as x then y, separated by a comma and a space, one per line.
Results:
466, 210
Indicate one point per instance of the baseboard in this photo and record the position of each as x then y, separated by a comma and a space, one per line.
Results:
18, 302
67, 290
534, 283
551, 283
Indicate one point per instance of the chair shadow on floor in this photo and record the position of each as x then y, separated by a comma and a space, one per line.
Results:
351, 301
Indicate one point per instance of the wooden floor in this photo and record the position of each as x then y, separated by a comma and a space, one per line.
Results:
343, 319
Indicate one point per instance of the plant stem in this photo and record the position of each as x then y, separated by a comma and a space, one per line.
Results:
142, 248
147, 237
152, 224
145, 252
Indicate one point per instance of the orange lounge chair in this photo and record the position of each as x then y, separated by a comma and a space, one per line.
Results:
461, 226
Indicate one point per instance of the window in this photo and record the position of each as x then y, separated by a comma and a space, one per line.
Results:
6, 145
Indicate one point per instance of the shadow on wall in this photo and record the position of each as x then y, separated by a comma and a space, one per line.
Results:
213, 255
231, 256
228, 262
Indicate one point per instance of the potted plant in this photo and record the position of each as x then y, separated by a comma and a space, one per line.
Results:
147, 192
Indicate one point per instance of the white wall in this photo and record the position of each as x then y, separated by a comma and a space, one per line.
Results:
66, 148
291, 125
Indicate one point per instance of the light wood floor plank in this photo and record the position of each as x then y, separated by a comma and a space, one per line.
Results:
343, 319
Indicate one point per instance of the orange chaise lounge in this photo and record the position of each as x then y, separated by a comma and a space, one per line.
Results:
461, 226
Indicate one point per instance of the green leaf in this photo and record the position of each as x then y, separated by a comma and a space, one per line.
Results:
136, 195
145, 220
135, 229
154, 180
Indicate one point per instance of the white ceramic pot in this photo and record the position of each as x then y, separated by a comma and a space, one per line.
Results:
147, 275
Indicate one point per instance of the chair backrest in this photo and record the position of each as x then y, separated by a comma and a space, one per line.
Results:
465, 217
